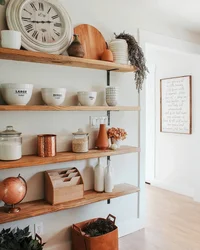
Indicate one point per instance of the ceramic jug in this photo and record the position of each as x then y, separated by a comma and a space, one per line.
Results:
102, 140
99, 177
109, 179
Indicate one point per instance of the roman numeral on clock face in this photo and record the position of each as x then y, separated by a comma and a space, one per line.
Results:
49, 10
41, 6
56, 32
44, 39
29, 28
57, 24
35, 34
54, 17
33, 6
28, 11
26, 18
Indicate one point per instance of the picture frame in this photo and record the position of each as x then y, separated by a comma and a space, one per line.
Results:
176, 105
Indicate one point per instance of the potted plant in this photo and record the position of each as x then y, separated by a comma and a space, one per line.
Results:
3, 25
19, 239
116, 135
2, 2
136, 58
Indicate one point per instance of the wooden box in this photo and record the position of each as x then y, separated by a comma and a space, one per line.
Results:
63, 185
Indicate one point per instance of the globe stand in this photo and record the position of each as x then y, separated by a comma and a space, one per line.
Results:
12, 209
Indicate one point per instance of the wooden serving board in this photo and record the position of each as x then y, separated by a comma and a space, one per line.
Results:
92, 40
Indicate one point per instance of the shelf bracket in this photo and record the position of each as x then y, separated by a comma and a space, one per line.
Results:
108, 114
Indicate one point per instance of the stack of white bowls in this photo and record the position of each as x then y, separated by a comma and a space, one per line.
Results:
112, 96
119, 48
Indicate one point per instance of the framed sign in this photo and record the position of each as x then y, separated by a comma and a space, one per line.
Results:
176, 105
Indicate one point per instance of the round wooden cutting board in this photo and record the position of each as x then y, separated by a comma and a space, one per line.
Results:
92, 40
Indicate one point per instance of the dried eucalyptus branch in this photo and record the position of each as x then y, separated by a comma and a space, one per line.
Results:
136, 57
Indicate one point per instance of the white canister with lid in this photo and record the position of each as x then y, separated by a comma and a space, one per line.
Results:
10, 144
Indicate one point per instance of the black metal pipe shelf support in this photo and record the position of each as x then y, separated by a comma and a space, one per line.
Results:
109, 113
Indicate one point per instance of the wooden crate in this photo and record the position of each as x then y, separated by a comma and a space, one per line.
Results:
63, 185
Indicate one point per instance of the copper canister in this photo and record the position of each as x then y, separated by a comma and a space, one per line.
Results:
46, 145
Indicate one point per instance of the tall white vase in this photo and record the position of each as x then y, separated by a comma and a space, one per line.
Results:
99, 177
109, 184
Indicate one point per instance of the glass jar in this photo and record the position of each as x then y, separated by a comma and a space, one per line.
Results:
10, 144
80, 142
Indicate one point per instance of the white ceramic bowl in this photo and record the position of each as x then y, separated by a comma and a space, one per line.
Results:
16, 94
53, 96
87, 98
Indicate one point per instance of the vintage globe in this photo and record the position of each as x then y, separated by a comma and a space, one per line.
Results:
12, 192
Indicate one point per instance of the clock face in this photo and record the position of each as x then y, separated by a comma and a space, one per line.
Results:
44, 24
42, 21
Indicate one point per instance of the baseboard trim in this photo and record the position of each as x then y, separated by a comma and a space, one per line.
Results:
179, 190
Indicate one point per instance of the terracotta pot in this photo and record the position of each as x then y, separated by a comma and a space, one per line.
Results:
102, 140
76, 48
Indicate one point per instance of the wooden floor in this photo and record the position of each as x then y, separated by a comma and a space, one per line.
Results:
173, 223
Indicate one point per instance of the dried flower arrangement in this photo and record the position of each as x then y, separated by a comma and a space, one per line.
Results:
117, 134
136, 57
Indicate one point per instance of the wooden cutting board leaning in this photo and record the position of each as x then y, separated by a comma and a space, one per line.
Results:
92, 40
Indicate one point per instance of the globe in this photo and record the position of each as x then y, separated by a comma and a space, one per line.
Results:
12, 191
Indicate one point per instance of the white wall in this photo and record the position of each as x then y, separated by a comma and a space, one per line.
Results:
176, 161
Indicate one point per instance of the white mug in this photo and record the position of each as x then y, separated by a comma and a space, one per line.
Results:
11, 39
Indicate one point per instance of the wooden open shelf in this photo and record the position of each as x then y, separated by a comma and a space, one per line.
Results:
33, 160
38, 57
67, 108
41, 207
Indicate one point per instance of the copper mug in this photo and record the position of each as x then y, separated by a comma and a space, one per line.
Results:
46, 145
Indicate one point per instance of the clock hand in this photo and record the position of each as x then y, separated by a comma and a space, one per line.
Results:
39, 21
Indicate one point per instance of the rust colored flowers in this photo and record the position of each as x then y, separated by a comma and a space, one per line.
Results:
117, 133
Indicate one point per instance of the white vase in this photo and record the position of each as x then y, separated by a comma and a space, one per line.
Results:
109, 179
11, 39
99, 177
119, 48
117, 142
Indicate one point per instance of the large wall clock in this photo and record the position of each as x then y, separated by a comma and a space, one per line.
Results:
45, 24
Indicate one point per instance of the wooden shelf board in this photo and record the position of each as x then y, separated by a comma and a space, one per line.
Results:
67, 108
33, 160
37, 208
38, 57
